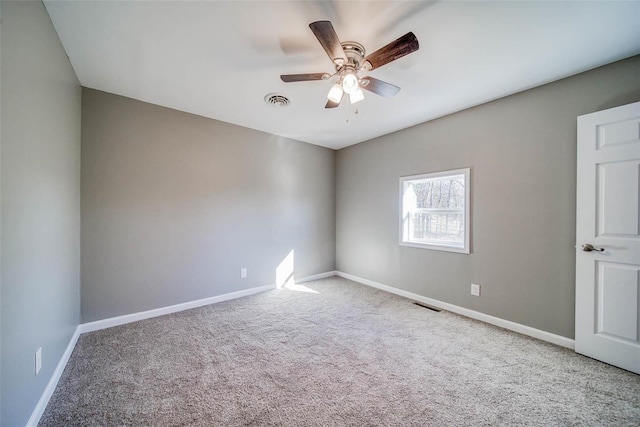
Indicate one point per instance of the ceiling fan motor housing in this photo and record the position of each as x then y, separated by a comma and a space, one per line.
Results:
355, 54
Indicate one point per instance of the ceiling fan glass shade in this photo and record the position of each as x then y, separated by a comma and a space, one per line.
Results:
335, 94
356, 96
350, 83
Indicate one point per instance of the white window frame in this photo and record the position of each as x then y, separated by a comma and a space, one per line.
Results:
466, 249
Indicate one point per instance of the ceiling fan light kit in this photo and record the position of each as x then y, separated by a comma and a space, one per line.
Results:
349, 58
336, 93
349, 82
356, 96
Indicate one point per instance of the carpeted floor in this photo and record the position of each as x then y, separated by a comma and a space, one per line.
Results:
345, 355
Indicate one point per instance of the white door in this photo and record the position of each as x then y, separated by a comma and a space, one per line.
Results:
608, 237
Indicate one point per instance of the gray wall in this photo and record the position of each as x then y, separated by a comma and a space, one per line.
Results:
174, 205
522, 154
40, 204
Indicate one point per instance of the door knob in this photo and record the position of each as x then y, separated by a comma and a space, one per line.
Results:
587, 247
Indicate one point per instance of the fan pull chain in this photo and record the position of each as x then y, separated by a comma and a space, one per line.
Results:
354, 112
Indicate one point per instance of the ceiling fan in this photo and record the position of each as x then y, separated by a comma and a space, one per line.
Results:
349, 58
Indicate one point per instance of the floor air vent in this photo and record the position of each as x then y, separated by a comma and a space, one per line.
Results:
429, 307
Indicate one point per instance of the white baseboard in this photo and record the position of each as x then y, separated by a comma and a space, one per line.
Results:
506, 324
134, 317
53, 382
317, 277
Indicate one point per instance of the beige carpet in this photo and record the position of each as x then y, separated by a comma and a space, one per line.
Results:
345, 355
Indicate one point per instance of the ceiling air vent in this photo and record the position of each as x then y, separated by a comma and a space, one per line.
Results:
276, 100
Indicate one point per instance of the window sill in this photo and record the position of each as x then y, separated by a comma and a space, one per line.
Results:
443, 248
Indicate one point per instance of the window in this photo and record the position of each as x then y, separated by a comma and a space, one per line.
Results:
435, 211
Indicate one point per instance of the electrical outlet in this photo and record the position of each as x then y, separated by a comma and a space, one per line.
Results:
38, 360
243, 273
475, 290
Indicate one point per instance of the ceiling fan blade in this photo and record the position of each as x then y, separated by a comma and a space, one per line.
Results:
329, 40
331, 104
288, 78
379, 87
394, 50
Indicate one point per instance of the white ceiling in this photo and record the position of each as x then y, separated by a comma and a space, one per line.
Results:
219, 59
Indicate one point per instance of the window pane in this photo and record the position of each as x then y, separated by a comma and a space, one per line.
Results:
438, 228
433, 209
444, 193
